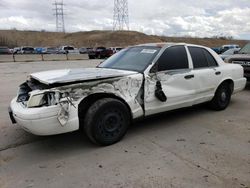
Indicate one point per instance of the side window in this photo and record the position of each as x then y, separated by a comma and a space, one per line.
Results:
173, 58
210, 59
198, 57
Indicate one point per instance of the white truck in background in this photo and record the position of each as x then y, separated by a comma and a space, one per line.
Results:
68, 50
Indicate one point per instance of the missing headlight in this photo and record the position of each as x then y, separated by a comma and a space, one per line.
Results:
44, 99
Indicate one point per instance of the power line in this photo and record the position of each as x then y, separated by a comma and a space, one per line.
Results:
59, 14
121, 15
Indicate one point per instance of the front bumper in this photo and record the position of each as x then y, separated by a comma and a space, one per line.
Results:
43, 120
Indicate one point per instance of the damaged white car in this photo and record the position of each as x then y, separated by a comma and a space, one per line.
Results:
136, 82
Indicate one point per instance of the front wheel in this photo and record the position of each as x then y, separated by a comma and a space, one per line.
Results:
221, 98
107, 121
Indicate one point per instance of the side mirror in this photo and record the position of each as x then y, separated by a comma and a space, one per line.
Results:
236, 52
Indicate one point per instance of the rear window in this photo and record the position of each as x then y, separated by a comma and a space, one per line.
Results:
201, 58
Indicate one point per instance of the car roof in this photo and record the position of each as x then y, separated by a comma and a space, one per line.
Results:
167, 44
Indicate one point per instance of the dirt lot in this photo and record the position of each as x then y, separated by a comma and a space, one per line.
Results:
193, 147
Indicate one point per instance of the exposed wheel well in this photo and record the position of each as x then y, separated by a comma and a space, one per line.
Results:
85, 104
230, 83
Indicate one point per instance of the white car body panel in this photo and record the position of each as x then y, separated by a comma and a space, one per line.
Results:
129, 86
180, 92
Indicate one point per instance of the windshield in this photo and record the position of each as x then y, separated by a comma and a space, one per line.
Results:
134, 58
245, 49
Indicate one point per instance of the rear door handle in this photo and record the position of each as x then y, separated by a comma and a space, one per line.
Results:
218, 73
189, 76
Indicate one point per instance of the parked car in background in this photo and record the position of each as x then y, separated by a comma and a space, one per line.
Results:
229, 52
228, 46
27, 50
99, 53
39, 50
50, 50
89, 49
83, 50
4, 50
222, 49
135, 83
68, 50
116, 49
243, 59
217, 49
17, 50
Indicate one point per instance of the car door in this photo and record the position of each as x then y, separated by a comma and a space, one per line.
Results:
172, 71
207, 74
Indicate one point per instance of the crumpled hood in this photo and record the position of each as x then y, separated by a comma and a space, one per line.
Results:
74, 75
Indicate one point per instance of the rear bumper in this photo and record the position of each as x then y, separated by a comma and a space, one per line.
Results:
42, 121
239, 84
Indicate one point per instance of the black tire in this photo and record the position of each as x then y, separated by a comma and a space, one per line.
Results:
91, 57
221, 98
106, 121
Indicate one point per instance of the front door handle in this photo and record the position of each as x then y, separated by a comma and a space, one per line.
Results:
218, 73
187, 77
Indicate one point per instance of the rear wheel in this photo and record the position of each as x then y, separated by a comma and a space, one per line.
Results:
106, 121
221, 98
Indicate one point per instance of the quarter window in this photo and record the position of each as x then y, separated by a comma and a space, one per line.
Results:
174, 57
210, 59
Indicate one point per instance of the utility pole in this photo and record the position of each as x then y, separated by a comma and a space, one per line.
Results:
121, 16
59, 14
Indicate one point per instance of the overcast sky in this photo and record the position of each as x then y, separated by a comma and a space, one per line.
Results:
197, 18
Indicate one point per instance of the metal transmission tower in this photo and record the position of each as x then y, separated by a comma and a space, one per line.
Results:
121, 17
59, 13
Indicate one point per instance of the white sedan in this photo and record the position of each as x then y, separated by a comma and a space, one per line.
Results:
136, 82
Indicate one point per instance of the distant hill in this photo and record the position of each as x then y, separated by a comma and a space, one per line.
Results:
14, 38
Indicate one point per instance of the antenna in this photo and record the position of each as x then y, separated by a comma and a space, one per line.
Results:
121, 17
59, 13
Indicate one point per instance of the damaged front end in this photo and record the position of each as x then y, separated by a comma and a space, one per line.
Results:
37, 103
36, 95
47, 104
